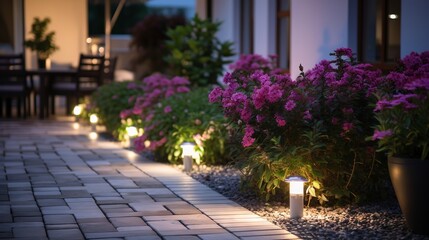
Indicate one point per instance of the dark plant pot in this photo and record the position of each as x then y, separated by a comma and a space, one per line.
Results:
410, 178
41, 63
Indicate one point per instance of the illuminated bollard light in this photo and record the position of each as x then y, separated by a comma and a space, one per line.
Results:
132, 132
77, 110
296, 195
187, 153
93, 119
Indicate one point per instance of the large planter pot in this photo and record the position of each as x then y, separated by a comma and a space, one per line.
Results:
410, 179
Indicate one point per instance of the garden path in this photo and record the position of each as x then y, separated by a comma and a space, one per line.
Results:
56, 183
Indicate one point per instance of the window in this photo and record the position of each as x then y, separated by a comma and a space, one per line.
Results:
379, 31
283, 34
246, 35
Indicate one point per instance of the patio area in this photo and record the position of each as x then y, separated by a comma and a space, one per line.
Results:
56, 183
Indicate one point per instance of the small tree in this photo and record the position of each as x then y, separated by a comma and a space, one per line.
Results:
196, 52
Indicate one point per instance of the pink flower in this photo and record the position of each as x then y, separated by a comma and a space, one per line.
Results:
247, 139
347, 126
215, 94
307, 115
378, 135
344, 52
290, 105
280, 120
167, 109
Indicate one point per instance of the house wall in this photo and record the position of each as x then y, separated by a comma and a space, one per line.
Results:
264, 21
414, 26
317, 28
68, 20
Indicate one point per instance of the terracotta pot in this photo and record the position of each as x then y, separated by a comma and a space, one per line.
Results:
410, 180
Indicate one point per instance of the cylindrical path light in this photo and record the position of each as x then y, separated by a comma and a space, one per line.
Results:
296, 195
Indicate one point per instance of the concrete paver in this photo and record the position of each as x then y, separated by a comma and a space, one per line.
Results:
56, 183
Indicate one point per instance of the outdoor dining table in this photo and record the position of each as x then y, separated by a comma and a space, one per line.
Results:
47, 76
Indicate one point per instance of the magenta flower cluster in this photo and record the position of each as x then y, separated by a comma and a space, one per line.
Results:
403, 108
155, 88
269, 103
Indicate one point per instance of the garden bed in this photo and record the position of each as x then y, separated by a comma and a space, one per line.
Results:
381, 220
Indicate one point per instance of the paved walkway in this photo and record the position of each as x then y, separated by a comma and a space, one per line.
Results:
56, 183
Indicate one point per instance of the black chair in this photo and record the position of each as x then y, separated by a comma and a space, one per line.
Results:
14, 85
88, 78
109, 69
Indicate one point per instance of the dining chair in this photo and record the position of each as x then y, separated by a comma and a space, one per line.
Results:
14, 85
88, 77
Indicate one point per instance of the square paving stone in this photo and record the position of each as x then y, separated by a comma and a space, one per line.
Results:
28, 219
127, 221
51, 202
59, 219
65, 234
182, 238
33, 232
97, 227
61, 226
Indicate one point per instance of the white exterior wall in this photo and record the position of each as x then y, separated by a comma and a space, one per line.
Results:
264, 24
227, 12
317, 28
68, 20
414, 26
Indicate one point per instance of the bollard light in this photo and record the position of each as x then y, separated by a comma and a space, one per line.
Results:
77, 110
132, 132
296, 195
93, 119
187, 153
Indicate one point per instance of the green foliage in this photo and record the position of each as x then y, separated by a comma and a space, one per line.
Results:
188, 117
109, 100
43, 41
196, 52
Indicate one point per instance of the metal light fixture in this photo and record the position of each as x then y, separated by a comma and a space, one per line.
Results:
77, 110
296, 195
132, 132
188, 149
93, 119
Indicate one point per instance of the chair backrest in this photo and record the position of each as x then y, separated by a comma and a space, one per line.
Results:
109, 68
91, 69
12, 71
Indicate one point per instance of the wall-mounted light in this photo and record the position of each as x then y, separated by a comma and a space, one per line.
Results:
393, 16
188, 149
296, 195
93, 119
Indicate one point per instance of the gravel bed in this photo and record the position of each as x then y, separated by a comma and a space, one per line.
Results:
376, 221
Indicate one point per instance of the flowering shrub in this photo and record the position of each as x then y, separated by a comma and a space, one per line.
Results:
314, 126
185, 118
402, 113
109, 100
154, 88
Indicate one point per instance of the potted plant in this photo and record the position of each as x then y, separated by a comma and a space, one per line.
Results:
402, 132
42, 42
